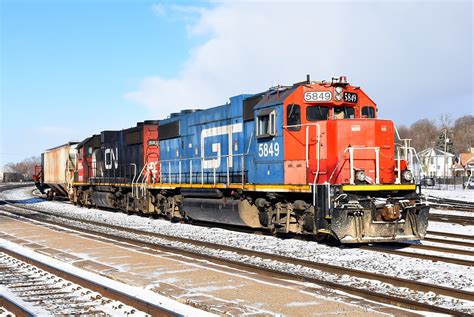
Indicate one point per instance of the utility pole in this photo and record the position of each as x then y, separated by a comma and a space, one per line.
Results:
445, 153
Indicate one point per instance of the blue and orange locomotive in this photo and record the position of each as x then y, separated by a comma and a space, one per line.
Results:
311, 158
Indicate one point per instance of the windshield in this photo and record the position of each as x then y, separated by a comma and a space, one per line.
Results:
316, 113
344, 113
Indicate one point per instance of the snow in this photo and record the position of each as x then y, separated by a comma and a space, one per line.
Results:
152, 298
436, 273
458, 194
26, 306
451, 228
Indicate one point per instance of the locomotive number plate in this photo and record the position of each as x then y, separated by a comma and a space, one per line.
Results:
350, 97
317, 96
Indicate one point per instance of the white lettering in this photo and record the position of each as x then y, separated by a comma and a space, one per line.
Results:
216, 147
111, 159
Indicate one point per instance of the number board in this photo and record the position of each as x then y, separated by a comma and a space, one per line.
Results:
350, 97
317, 96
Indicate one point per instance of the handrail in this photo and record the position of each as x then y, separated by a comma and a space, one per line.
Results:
134, 175
200, 173
351, 162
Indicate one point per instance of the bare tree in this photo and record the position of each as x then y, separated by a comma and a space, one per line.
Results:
463, 134
423, 133
404, 132
446, 121
25, 167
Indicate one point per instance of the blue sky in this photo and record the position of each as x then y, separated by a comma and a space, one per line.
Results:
73, 68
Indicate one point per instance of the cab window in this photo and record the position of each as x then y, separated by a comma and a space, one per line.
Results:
343, 113
317, 113
368, 112
293, 117
266, 123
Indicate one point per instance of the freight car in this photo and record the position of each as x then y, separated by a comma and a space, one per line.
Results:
311, 158
55, 176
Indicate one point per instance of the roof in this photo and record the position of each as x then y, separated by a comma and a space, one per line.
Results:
434, 152
62, 145
466, 157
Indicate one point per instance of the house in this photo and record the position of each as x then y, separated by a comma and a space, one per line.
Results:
437, 163
467, 162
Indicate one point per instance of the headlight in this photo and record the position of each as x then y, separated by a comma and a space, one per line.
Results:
407, 175
338, 93
360, 176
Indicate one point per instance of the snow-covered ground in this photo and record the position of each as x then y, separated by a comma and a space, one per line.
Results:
451, 228
437, 273
145, 295
343, 256
458, 194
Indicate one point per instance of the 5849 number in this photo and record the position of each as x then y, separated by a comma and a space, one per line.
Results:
268, 149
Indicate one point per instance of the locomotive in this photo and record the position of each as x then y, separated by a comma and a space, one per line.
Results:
312, 158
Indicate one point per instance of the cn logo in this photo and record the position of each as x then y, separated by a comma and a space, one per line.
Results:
111, 159
215, 162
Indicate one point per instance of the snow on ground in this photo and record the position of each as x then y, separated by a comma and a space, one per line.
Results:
451, 228
138, 293
458, 194
26, 306
438, 273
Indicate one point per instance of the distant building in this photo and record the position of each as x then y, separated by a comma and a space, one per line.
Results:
437, 163
467, 162
12, 177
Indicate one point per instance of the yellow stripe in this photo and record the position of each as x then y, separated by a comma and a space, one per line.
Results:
347, 188
250, 187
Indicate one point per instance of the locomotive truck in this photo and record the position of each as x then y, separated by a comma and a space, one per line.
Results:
312, 158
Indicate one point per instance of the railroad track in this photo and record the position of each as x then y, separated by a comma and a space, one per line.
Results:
461, 220
451, 235
450, 204
189, 247
49, 291
397, 248
410, 250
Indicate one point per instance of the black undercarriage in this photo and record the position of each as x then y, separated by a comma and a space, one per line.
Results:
348, 216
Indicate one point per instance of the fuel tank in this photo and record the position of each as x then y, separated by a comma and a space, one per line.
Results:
222, 210
103, 199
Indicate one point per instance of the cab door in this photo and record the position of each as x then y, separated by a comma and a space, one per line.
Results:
316, 117
296, 166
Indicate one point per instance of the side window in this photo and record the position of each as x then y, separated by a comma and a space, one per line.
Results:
368, 112
266, 123
317, 113
293, 117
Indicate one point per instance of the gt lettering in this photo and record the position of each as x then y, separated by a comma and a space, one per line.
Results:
269, 149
